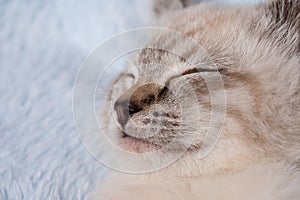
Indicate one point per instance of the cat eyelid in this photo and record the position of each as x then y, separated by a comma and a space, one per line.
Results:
130, 75
199, 70
196, 70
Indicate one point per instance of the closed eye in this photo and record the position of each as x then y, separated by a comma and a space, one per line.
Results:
130, 75
190, 71
199, 70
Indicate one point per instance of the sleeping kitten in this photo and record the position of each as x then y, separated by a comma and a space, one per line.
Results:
256, 51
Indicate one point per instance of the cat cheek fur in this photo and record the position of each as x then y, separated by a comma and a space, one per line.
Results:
258, 152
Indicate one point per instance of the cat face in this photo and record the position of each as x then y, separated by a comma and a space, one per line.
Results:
166, 103
169, 102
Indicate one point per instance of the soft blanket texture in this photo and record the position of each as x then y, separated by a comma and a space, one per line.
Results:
42, 44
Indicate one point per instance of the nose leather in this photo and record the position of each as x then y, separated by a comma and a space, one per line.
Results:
134, 100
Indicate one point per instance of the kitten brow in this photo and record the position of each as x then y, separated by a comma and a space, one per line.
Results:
195, 70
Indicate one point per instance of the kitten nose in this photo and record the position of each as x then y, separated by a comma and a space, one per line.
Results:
134, 100
122, 109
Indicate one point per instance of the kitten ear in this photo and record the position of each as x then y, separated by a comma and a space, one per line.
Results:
161, 7
283, 18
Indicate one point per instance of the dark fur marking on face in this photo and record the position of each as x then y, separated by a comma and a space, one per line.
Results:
283, 29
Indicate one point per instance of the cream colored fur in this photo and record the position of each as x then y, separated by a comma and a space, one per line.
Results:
257, 155
261, 182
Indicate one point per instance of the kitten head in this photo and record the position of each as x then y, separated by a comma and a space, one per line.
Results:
250, 54
169, 102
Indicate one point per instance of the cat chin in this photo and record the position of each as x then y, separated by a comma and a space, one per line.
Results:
134, 145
